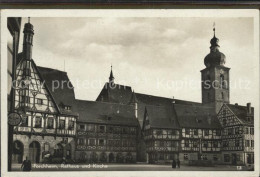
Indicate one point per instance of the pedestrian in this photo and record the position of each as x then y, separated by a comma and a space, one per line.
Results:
64, 160
173, 163
26, 165
178, 163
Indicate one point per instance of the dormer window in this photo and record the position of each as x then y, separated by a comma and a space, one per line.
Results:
198, 120
67, 108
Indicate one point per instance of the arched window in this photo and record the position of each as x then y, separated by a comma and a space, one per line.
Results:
222, 81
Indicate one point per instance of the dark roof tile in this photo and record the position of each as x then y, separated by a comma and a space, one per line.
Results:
242, 113
196, 116
106, 113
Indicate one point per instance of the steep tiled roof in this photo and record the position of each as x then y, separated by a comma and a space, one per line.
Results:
64, 94
241, 113
162, 116
106, 113
60, 87
196, 116
123, 94
115, 94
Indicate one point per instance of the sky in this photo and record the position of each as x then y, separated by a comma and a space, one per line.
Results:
156, 56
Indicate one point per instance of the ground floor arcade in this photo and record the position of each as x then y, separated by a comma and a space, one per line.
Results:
37, 148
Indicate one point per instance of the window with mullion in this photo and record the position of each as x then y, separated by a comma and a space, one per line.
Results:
218, 132
215, 144
205, 144
71, 125
206, 132
187, 131
50, 122
237, 130
186, 143
24, 122
195, 132
38, 122
62, 124
195, 143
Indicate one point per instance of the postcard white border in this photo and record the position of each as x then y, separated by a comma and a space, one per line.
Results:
123, 13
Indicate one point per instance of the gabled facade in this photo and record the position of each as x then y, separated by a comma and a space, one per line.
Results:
46, 130
237, 134
162, 137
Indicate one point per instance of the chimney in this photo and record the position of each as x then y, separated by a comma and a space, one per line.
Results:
248, 105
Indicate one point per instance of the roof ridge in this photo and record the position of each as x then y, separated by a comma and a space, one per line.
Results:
51, 69
119, 84
100, 102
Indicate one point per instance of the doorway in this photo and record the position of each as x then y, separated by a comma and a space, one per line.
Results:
17, 152
111, 157
234, 159
34, 152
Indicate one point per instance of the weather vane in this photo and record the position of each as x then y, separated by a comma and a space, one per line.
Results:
214, 28
28, 19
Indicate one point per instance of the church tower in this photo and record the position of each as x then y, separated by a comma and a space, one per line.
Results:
215, 77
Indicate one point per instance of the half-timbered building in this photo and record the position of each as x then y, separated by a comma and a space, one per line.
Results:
48, 124
237, 134
106, 132
161, 134
200, 133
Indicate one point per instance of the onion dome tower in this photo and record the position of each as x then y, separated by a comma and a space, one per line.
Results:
215, 57
215, 77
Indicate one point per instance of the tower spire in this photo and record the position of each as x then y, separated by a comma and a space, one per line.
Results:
214, 29
111, 77
28, 40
